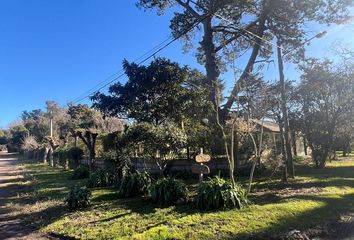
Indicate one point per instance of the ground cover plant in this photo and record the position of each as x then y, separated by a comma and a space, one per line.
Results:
316, 197
78, 198
168, 191
217, 193
134, 184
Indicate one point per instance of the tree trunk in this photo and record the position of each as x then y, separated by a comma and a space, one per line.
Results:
305, 146
334, 154
285, 173
91, 157
236, 152
284, 110
345, 148
293, 142
251, 176
46, 151
211, 65
89, 140
66, 165
232, 154
188, 154
248, 69
51, 158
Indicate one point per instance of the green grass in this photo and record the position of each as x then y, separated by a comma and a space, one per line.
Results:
315, 197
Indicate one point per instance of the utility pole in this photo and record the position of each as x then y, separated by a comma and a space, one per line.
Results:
284, 110
51, 123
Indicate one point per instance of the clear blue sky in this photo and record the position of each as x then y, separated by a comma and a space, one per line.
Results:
59, 49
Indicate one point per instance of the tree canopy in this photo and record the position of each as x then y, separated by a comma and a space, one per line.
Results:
162, 91
229, 28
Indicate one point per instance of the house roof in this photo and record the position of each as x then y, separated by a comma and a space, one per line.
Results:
270, 126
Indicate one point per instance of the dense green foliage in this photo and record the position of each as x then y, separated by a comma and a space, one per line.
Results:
80, 172
78, 198
166, 139
117, 162
134, 184
218, 193
102, 178
17, 134
153, 93
75, 154
166, 191
325, 96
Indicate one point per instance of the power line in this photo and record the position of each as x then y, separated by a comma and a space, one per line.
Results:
157, 49
117, 74
244, 29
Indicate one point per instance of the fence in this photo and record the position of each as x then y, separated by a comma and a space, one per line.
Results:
177, 165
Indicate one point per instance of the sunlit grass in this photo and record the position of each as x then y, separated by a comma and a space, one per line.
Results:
136, 218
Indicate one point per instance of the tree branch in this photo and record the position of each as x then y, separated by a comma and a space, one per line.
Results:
238, 34
248, 69
189, 8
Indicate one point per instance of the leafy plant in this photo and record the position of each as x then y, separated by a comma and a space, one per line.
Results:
78, 198
217, 193
101, 178
118, 162
81, 172
169, 190
134, 184
75, 154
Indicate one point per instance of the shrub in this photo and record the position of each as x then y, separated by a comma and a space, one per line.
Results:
103, 178
134, 184
100, 178
81, 172
119, 162
166, 191
61, 156
217, 193
29, 143
78, 198
75, 154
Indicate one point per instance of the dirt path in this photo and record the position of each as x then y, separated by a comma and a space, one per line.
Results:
12, 227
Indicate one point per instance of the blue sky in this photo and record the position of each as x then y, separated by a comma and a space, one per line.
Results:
59, 49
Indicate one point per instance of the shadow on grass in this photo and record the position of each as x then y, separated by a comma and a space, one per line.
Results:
331, 211
30, 222
51, 183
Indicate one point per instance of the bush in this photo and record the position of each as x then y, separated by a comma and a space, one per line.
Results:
101, 178
81, 172
134, 184
118, 162
61, 156
75, 154
78, 198
217, 193
166, 191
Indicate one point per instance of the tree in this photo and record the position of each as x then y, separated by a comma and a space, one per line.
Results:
153, 94
60, 120
325, 96
3, 138
235, 26
276, 98
230, 28
17, 134
87, 123
37, 123
160, 143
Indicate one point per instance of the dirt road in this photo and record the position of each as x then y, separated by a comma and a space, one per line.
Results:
12, 226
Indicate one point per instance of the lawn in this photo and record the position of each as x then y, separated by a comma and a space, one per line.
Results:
316, 197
